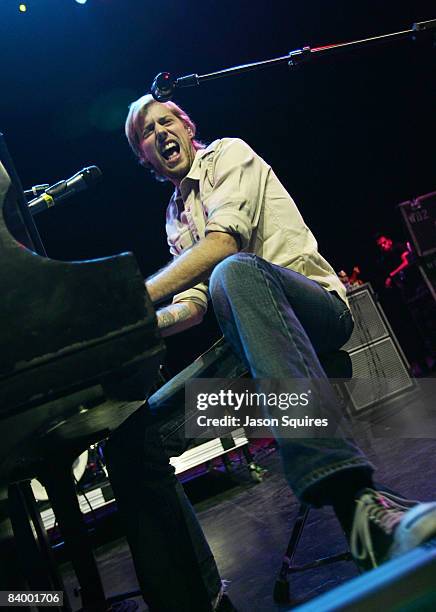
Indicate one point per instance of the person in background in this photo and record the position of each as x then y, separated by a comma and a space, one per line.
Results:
411, 307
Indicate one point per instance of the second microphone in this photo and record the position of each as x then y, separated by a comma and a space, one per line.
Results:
64, 189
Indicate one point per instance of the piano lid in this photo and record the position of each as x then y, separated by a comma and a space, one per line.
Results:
64, 324
15, 210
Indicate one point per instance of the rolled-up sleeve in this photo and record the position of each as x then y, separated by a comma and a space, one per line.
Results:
233, 203
197, 294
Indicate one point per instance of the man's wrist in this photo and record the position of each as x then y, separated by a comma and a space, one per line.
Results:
178, 317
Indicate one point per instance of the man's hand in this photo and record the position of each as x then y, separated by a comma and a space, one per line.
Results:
192, 267
178, 317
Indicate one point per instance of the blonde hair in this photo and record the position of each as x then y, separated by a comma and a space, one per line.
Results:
133, 127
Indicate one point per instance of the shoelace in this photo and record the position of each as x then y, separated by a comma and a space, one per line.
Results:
217, 600
383, 509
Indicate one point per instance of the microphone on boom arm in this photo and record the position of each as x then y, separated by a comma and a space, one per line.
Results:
64, 189
163, 86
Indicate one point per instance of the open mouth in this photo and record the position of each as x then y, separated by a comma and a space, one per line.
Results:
171, 150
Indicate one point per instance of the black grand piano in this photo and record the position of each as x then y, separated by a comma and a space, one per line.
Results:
79, 350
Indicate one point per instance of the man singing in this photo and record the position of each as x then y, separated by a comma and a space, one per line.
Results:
238, 238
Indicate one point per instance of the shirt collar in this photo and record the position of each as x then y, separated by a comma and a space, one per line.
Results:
195, 171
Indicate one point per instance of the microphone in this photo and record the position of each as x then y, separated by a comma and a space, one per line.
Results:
64, 189
163, 87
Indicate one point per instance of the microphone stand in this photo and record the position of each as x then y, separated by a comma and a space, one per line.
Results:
296, 57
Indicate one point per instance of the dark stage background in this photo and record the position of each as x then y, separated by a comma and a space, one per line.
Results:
350, 136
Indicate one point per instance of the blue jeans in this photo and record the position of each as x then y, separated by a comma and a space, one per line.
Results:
275, 322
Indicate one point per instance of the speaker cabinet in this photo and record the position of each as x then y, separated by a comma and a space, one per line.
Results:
370, 324
380, 368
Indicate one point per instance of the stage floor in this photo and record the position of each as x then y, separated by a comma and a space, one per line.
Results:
248, 526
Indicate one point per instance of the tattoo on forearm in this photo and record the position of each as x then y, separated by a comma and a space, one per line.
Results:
176, 313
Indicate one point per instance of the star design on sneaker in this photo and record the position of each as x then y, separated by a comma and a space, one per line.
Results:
386, 526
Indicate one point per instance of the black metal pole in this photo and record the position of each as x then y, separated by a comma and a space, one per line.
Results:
295, 57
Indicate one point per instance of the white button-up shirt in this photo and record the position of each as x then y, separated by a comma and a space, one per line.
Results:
229, 188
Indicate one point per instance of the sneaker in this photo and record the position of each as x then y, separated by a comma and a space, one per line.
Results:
222, 602
225, 605
386, 526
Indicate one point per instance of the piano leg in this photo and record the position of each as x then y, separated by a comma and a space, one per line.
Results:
58, 480
36, 556
11, 575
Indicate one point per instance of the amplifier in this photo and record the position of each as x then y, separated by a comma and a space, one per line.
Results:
427, 267
370, 324
380, 373
419, 216
380, 368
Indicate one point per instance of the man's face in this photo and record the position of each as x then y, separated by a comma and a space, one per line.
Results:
384, 243
343, 277
166, 143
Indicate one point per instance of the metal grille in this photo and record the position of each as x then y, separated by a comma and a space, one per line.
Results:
379, 373
368, 323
